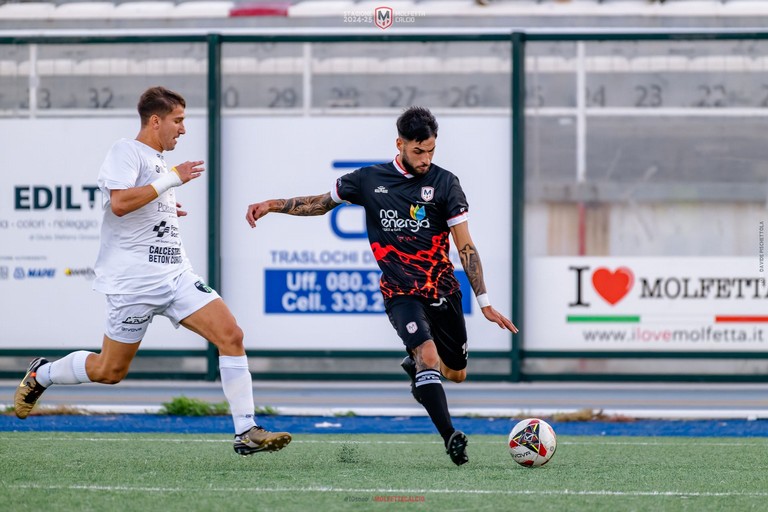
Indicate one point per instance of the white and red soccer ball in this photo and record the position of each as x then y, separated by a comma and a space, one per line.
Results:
532, 442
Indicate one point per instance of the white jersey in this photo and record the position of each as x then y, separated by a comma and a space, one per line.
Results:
142, 249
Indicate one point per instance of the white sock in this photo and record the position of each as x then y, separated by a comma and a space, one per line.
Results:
70, 369
238, 388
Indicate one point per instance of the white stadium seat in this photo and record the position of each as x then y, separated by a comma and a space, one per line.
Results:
84, 11
27, 11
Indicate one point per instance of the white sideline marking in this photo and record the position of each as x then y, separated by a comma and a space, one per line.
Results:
384, 491
482, 412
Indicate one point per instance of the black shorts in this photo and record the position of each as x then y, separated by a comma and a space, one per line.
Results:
417, 319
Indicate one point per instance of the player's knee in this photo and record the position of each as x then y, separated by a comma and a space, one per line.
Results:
108, 375
453, 375
231, 338
112, 380
427, 357
431, 361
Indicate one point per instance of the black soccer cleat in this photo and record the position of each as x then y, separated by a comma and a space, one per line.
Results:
259, 440
409, 366
29, 390
456, 448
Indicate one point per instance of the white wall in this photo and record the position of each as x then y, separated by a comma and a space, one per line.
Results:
262, 158
285, 157
58, 310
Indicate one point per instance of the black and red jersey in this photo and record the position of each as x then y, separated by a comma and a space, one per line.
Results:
408, 219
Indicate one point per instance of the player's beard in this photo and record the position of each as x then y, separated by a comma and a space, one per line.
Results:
410, 168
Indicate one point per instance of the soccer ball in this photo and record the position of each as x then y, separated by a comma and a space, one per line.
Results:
532, 442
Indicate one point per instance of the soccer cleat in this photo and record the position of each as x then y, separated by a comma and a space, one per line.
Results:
409, 365
259, 440
29, 390
456, 448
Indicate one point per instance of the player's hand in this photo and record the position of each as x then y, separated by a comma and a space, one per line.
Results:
179, 211
496, 317
256, 211
189, 170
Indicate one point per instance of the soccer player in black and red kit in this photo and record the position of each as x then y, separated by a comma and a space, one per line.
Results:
411, 205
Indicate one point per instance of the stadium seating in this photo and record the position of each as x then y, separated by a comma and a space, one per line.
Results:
463, 12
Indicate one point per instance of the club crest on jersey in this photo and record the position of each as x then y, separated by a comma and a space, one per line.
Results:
200, 285
383, 17
427, 193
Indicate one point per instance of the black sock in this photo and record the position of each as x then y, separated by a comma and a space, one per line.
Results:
431, 394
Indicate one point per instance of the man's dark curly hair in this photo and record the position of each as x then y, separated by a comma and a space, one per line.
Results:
417, 124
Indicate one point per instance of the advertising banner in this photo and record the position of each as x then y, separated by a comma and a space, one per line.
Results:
312, 282
50, 220
653, 303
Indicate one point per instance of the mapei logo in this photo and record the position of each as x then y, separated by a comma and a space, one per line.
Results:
34, 273
41, 272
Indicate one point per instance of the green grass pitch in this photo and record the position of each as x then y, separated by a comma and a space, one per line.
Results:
324, 472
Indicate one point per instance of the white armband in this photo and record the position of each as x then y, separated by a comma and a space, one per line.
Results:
483, 300
166, 182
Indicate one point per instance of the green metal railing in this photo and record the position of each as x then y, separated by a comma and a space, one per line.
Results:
517, 355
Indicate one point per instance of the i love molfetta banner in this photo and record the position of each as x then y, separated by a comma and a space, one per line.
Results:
663, 303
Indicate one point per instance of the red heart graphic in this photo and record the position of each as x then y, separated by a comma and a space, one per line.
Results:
613, 286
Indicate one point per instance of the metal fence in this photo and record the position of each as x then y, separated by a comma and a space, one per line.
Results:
604, 125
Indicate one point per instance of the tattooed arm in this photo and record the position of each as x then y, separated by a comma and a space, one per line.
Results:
303, 206
470, 260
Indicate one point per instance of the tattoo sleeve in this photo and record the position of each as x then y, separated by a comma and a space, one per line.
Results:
470, 260
306, 206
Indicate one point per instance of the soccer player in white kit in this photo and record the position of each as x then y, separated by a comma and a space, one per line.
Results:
143, 271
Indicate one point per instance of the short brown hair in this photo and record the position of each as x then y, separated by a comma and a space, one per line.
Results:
159, 101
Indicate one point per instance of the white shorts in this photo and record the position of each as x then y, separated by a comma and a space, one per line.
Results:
128, 316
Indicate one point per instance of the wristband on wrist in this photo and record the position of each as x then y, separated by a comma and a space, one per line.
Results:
166, 182
483, 300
